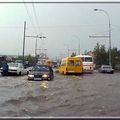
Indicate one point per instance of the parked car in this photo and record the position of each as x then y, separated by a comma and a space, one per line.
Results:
16, 68
29, 69
41, 72
106, 69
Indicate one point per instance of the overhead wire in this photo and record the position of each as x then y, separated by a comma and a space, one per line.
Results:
29, 17
36, 18
70, 26
37, 22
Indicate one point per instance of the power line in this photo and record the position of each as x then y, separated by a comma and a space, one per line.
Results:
11, 27
63, 2
29, 17
35, 15
67, 26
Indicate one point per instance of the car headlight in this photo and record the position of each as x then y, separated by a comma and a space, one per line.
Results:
44, 76
31, 76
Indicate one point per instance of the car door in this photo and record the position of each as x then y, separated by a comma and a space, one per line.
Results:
22, 69
70, 67
25, 70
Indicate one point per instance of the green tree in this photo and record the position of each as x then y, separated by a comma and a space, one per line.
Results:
31, 59
115, 57
101, 54
85, 52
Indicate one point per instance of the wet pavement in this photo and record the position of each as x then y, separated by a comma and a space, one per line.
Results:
87, 95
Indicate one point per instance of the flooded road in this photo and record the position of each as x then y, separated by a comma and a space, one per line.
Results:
87, 95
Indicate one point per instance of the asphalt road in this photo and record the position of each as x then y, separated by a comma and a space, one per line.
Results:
87, 95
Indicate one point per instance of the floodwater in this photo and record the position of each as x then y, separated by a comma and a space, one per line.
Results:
87, 95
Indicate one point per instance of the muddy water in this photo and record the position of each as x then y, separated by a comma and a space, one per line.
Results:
88, 95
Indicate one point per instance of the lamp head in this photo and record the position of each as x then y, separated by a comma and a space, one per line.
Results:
95, 9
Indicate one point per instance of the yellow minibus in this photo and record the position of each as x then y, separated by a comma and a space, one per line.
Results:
71, 65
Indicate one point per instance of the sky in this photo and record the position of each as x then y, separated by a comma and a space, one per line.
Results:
64, 25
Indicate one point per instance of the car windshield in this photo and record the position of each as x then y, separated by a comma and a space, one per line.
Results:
107, 67
40, 68
13, 64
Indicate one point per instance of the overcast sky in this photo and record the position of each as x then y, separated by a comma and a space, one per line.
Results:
63, 25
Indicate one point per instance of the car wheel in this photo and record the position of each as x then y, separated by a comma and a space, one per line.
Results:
51, 78
19, 73
27, 72
112, 72
2, 74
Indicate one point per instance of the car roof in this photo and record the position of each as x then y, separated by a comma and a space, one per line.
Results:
14, 63
106, 66
41, 65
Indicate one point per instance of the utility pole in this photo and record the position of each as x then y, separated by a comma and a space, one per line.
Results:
36, 41
24, 43
109, 26
36, 44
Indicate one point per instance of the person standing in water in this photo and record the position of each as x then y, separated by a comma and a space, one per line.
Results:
5, 68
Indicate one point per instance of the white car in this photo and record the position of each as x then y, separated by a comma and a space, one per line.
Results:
106, 69
16, 68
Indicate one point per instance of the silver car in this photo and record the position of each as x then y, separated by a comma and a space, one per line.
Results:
106, 69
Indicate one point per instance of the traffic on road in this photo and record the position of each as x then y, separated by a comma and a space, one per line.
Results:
59, 60
72, 89
86, 95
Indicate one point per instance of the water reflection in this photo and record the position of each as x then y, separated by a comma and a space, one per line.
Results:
44, 84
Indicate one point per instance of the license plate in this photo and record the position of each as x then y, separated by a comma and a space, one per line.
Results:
108, 70
37, 78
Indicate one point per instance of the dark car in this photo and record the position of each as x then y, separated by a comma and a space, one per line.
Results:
106, 69
41, 72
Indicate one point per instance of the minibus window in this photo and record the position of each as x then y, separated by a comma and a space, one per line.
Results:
71, 62
88, 59
77, 63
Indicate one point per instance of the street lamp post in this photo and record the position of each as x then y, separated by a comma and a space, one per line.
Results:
24, 44
109, 33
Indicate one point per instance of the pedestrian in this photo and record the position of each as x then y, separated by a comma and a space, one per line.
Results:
5, 68
51, 71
